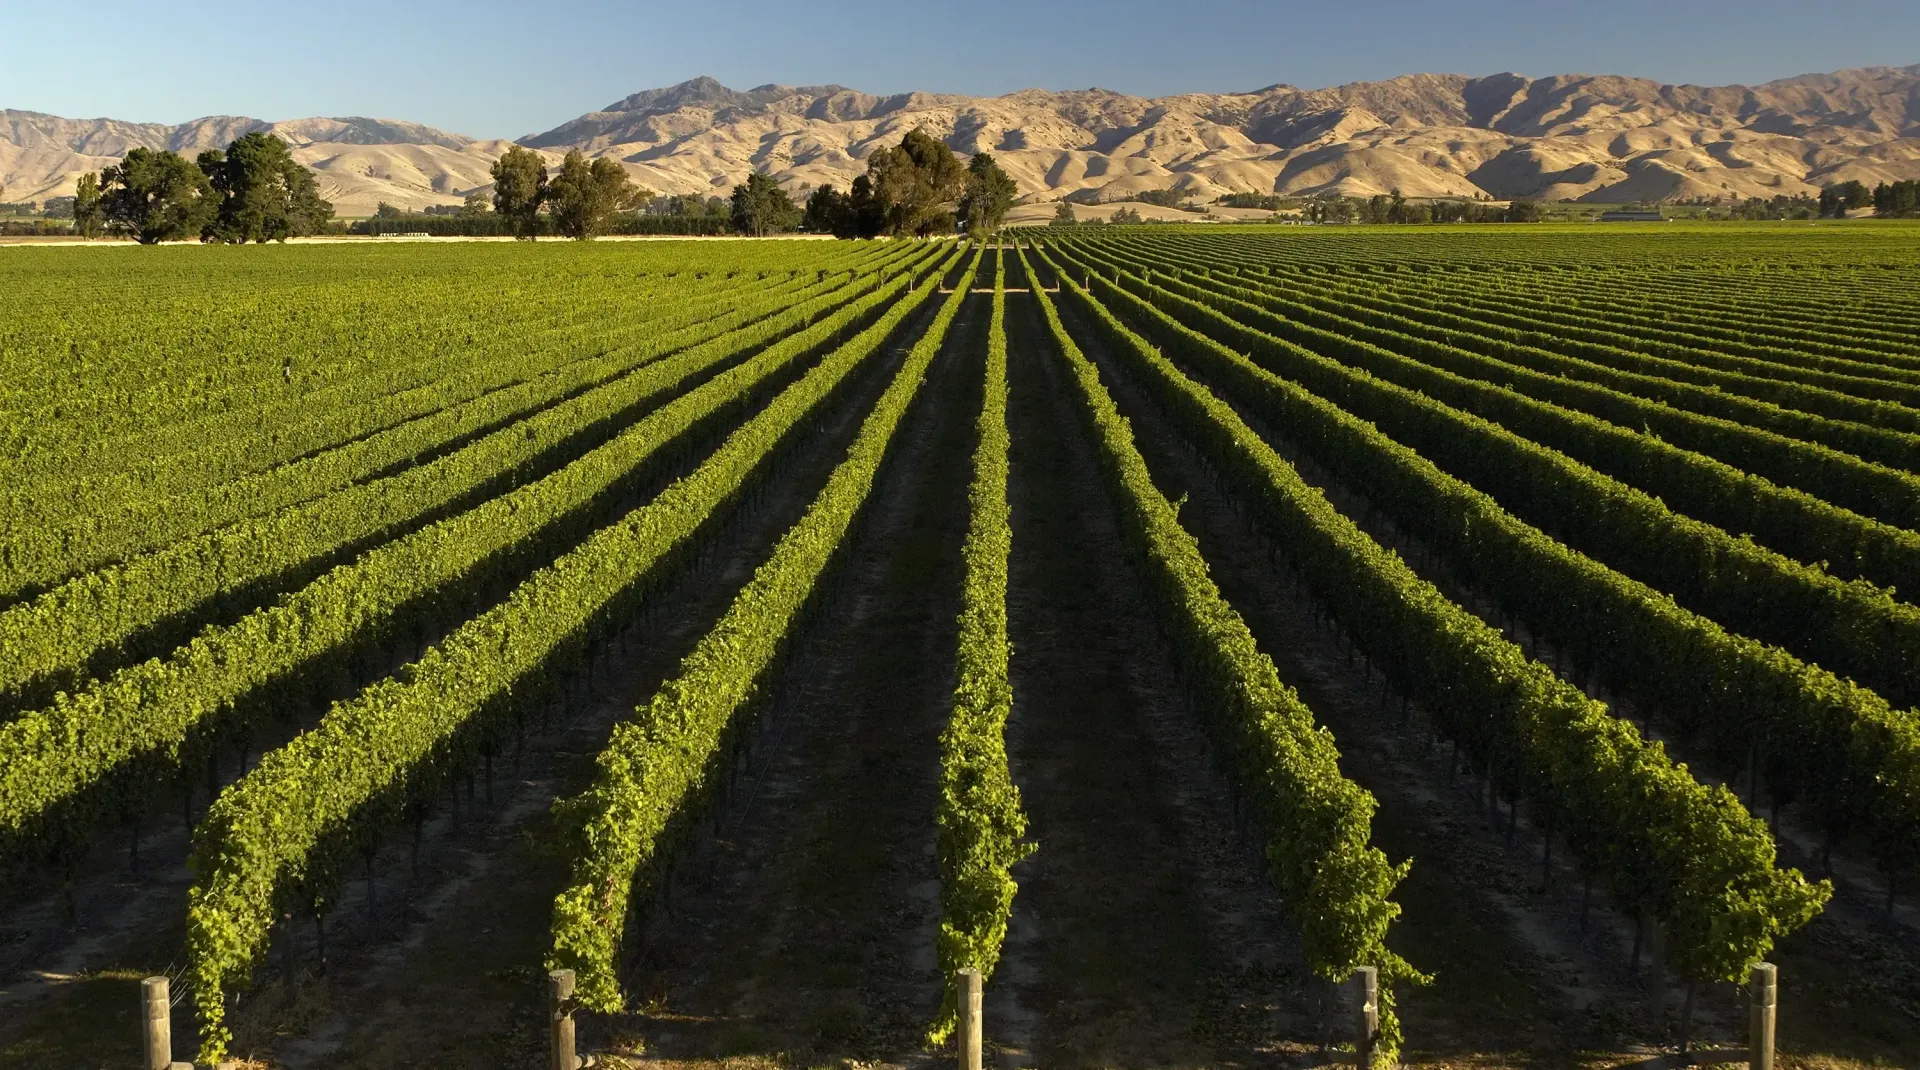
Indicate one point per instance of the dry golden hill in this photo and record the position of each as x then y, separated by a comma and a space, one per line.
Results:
1597, 138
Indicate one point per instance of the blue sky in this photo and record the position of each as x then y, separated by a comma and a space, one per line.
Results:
491, 69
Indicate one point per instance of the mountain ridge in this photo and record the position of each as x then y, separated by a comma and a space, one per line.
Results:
1574, 136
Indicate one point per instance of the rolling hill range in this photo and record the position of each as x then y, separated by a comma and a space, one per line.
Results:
1597, 138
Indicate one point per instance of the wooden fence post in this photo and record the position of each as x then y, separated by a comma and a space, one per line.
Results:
1765, 999
971, 1001
1366, 1025
560, 1009
157, 1030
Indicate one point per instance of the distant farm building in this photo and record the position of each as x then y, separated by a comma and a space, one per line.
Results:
1631, 217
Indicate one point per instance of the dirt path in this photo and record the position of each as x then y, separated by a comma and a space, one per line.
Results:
1143, 933
805, 929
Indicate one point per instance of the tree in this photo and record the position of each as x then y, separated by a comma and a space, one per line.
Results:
265, 195
476, 203
989, 193
1396, 207
761, 207
1854, 194
158, 196
519, 189
691, 206
1063, 216
866, 213
87, 215
383, 210
1897, 198
1523, 212
1124, 217
827, 212
918, 182
583, 197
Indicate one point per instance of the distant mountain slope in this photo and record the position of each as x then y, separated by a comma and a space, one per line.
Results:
360, 161
1601, 138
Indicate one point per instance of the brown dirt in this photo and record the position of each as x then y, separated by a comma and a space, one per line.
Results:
1144, 933
803, 932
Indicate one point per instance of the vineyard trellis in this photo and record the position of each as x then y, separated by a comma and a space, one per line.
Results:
1630, 519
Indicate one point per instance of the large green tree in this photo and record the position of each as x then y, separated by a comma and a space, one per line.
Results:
265, 194
827, 212
583, 197
989, 193
761, 207
519, 189
157, 196
919, 182
87, 215
866, 213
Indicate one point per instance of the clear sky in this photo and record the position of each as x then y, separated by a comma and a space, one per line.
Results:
492, 69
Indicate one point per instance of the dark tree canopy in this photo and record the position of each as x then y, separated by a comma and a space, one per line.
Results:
827, 212
157, 196
1837, 200
919, 183
761, 207
1063, 215
989, 193
583, 197
866, 213
691, 206
855, 214
519, 188
87, 214
1897, 199
265, 195
1523, 212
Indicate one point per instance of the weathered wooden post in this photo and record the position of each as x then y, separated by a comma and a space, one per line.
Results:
1366, 1025
1764, 992
971, 1002
560, 1008
157, 1031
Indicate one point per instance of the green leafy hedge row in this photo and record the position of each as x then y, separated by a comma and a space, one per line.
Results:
55, 524
1854, 628
1830, 740
274, 352
1876, 403
1884, 443
1765, 345
658, 766
982, 828
1577, 314
1757, 326
1658, 840
50, 640
1886, 494
66, 767
1881, 431
1793, 522
111, 493
1335, 883
281, 832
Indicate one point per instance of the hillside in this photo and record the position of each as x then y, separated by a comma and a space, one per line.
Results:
1599, 138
